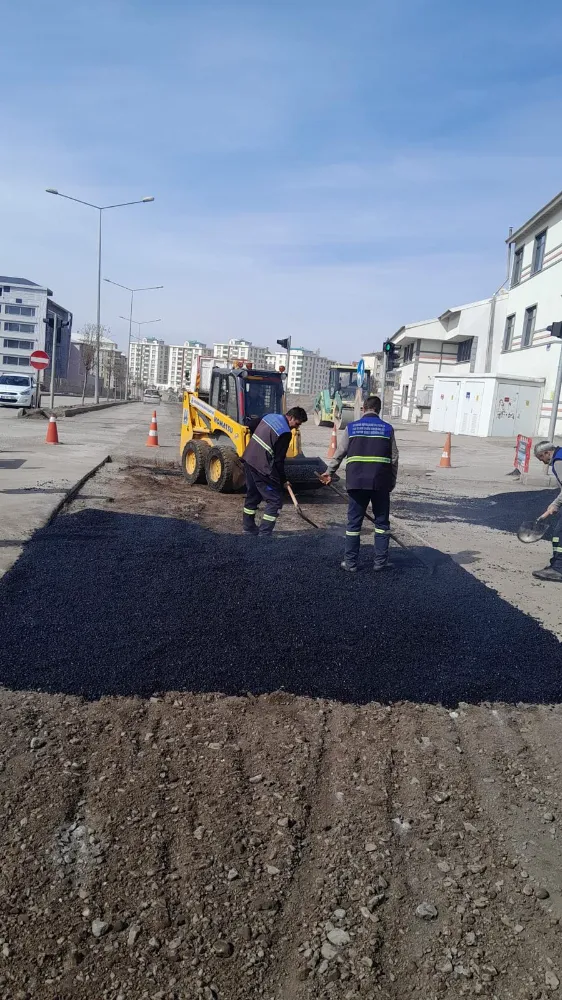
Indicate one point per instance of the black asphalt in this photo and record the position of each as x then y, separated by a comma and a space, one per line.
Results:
103, 603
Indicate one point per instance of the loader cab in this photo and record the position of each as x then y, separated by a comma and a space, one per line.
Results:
344, 381
246, 395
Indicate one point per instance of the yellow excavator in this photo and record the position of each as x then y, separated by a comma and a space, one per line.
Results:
218, 420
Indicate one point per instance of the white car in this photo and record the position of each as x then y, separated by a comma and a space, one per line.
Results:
151, 396
17, 390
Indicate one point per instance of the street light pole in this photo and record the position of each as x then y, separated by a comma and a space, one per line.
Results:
98, 322
100, 209
145, 288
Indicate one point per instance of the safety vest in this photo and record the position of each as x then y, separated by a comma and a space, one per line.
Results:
369, 455
557, 460
268, 446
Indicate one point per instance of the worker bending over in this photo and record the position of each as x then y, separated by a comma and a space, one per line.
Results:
264, 466
551, 454
371, 471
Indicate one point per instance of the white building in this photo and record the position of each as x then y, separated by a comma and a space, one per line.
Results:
149, 361
455, 342
308, 371
27, 320
241, 349
522, 343
113, 363
182, 358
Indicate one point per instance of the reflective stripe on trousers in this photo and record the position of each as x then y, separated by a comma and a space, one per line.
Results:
556, 561
359, 500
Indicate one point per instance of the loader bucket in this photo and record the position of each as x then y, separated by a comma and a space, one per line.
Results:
302, 472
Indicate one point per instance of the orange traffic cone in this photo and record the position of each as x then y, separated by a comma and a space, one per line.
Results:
52, 433
333, 443
445, 462
152, 439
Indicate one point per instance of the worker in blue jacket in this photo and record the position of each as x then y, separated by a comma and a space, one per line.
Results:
371, 470
264, 466
550, 454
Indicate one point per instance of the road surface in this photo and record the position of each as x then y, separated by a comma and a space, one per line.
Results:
231, 771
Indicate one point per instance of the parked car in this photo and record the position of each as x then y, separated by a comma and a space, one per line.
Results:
151, 396
17, 390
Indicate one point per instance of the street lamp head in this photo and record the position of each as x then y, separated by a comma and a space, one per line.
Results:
150, 198
51, 190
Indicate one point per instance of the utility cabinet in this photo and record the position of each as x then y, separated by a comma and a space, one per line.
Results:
486, 405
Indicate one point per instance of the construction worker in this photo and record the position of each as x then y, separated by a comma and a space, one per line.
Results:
551, 454
371, 471
264, 466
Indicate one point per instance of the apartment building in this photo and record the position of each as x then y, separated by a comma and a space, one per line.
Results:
308, 370
241, 349
522, 344
29, 319
149, 362
182, 358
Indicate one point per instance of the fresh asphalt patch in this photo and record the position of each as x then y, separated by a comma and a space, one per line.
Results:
104, 603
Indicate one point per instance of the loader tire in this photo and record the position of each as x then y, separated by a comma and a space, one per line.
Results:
221, 468
193, 461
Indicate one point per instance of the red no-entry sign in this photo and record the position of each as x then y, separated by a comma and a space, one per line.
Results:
39, 360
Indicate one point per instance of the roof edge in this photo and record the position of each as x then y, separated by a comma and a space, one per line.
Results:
531, 223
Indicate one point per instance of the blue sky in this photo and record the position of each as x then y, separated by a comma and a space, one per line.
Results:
323, 169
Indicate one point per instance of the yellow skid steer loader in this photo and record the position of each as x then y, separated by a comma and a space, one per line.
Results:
216, 429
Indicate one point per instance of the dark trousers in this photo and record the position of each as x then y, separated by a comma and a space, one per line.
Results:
359, 500
556, 561
259, 488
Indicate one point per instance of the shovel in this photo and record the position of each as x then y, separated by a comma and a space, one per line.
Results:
532, 531
298, 507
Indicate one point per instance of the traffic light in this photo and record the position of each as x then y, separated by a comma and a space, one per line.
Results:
392, 355
555, 329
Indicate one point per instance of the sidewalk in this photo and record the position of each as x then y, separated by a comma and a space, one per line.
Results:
35, 477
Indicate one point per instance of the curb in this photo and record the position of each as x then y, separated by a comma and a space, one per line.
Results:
73, 490
73, 411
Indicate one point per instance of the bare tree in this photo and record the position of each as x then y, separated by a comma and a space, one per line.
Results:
109, 371
88, 339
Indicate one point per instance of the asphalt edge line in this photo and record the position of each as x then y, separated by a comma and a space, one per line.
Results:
73, 490
430, 556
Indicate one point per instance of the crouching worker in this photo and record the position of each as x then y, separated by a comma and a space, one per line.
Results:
264, 466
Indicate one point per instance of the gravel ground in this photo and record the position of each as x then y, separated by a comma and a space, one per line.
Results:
230, 771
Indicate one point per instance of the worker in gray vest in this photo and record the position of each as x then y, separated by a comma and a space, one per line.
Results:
371, 470
550, 454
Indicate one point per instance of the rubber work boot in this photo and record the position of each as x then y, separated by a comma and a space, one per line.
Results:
378, 567
548, 573
348, 569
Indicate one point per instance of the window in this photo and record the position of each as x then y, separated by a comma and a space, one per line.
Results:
6, 288
10, 359
19, 310
529, 326
517, 266
405, 391
19, 345
20, 327
408, 353
19, 300
24, 362
538, 252
508, 332
464, 350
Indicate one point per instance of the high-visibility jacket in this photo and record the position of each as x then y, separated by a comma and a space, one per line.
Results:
372, 455
268, 447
